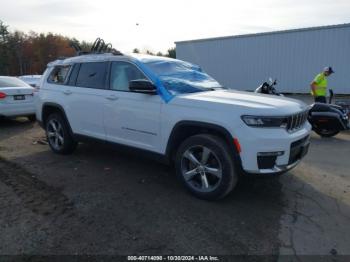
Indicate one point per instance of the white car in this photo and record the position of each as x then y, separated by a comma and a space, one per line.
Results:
16, 98
32, 80
175, 111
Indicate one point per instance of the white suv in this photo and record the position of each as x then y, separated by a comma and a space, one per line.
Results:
174, 110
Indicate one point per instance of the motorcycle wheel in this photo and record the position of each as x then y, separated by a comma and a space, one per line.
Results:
326, 132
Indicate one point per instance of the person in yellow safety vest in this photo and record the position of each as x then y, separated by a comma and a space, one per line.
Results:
319, 85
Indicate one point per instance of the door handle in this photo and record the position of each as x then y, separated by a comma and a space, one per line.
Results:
112, 97
67, 92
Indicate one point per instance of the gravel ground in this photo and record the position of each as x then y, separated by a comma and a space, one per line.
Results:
100, 201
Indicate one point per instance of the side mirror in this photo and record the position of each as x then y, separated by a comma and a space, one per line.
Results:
142, 86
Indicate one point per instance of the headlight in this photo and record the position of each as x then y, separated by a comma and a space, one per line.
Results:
265, 121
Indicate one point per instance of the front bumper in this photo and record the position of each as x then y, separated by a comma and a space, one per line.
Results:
289, 149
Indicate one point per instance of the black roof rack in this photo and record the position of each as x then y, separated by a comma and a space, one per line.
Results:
98, 47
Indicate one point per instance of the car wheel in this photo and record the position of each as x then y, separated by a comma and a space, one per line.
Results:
206, 167
32, 118
58, 135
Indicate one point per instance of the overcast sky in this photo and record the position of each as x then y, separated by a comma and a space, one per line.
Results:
157, 24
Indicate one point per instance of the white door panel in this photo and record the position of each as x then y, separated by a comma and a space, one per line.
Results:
134, 119
131, 118
83, 96
86, 107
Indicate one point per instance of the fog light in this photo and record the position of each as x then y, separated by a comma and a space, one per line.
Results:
278, 153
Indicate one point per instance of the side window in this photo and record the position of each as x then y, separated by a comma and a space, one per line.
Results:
92, 75
122, 73
59, 75
73, 75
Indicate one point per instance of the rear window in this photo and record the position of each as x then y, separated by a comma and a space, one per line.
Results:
12, 82
92, 75
59, 74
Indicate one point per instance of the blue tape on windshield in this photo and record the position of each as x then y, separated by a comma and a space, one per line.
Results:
173, 77
162, 91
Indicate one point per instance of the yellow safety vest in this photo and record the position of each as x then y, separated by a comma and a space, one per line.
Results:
321, 85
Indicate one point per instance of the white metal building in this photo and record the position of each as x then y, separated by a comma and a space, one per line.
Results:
294, 57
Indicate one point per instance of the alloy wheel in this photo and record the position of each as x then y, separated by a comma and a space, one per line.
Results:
201, 168
55, 134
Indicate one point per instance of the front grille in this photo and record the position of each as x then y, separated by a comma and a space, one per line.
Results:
296, 121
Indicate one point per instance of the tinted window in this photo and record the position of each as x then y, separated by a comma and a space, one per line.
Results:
73, 76
11, 82
122, 73
59, 74
92, 75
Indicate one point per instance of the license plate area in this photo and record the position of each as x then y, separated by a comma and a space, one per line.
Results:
19, 97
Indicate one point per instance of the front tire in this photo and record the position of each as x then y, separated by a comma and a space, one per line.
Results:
206, 167
58, 135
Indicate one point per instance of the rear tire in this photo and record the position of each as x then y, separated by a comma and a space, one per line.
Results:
58, 135
205, 167
326, 132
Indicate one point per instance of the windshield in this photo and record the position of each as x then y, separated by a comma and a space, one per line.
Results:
181, 77
12, 82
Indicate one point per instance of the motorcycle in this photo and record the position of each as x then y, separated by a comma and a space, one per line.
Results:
327, 120
268, 88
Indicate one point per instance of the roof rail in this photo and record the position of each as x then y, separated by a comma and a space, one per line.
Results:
98, 47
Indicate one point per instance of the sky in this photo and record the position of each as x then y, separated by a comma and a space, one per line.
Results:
156, 24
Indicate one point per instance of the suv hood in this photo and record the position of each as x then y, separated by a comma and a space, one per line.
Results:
250, 102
